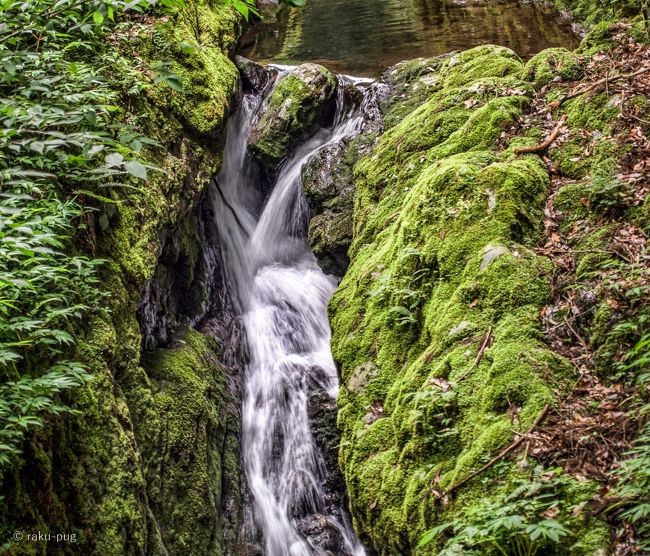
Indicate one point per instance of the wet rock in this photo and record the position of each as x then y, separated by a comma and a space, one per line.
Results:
323, 534
299, 104
328, 183
322, 418
255, 77
330, 236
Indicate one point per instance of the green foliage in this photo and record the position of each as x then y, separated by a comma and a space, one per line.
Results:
592, 12
406, 292
24, 401
634, 475
518, 523
244, 7
59, 140
248, 7
605, 192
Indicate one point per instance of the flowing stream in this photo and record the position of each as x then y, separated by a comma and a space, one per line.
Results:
282, 295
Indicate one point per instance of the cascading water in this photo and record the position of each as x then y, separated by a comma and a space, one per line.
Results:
282, 295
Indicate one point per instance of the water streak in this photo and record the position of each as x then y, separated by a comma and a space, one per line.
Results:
282, 295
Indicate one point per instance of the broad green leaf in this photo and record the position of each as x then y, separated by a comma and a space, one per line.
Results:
136, 169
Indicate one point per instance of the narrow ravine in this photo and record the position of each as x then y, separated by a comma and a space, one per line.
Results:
282, 295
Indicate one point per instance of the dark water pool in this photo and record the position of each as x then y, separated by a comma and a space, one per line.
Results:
364, 37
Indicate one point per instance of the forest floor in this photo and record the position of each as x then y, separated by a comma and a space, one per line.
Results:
592, 429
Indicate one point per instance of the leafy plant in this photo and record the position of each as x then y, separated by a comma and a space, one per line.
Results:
634, 486
606, 192
58, 141
407, 291
520, 523
634, 472
244, 7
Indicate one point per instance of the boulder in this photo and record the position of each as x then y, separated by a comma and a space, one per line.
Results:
255, 77
300, 103
328, 183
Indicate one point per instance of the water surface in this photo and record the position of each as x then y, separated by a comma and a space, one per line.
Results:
364, 37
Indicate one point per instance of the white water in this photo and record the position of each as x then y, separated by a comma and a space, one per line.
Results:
282, 295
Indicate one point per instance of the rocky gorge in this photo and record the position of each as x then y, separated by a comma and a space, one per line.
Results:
430, 221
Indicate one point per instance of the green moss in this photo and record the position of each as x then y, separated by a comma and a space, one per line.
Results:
442, 224
544, 67
208, 75
99, 474
179, 408
571, 202
592, 13
295, 105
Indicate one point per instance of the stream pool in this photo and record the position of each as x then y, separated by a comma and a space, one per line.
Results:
364, 37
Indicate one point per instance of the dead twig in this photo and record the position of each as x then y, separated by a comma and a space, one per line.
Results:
544, 144
503, 453
479, 355
605, 81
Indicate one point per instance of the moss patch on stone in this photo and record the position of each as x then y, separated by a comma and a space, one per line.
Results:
592, 13
552, 63
443, 225
295, 105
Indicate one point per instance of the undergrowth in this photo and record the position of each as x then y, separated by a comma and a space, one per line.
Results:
60, 144
522, 520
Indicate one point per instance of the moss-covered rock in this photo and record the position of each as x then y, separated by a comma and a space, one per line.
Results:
187, 438
441, 264
100, 471
299, 101
591, 13
551, 64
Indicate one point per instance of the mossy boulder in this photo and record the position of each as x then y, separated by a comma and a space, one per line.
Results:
441, 262
591, 13
299, 103
551, 64
188, 435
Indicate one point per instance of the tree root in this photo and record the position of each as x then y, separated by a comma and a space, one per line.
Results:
479, 355
544, 144
604, 81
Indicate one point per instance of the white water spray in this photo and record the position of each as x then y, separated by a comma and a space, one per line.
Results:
282, 295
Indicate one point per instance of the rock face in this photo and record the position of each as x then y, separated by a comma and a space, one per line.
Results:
254, 76
328, 184
444, 220
301, 101
150, 464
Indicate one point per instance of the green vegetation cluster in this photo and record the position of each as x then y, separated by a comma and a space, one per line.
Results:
593, 12
437, 327
59, 141
444, 223
112, 116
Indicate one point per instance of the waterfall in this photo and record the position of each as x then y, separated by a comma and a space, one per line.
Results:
282, 297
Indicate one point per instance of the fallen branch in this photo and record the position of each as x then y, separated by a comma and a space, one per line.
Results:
604, 81
544, 144
503, 453
479, 355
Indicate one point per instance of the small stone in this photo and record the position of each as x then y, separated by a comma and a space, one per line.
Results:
490, 253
